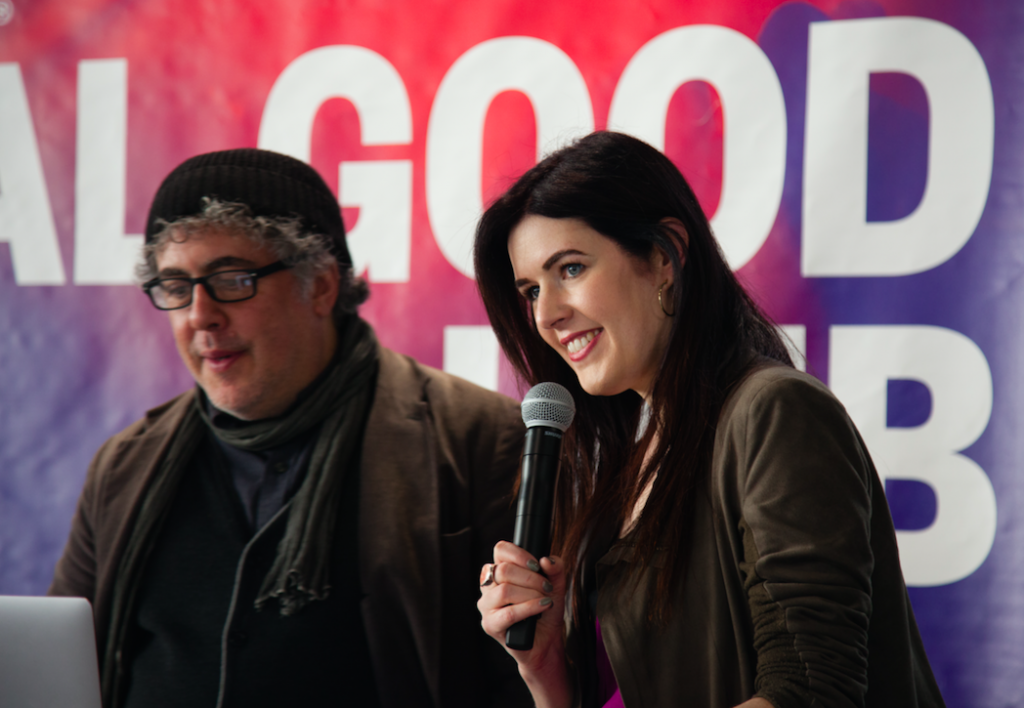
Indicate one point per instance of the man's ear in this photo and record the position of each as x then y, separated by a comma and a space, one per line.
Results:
326, 285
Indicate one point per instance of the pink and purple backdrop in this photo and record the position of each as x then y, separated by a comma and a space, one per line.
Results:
863, 162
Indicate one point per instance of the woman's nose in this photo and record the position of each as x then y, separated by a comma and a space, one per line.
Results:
550, 309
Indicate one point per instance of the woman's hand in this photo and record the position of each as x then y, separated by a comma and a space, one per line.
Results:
755, 703
517, 590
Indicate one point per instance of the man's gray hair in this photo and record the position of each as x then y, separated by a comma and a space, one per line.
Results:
308, 254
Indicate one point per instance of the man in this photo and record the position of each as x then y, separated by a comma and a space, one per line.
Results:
305, 527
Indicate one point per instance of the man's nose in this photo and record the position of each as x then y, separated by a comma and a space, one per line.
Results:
205, 312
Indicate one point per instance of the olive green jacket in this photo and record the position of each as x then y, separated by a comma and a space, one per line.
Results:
793, 590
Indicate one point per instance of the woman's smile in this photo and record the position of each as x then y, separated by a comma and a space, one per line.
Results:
577, 345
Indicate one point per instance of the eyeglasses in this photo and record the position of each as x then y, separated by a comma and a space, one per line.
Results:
225, 286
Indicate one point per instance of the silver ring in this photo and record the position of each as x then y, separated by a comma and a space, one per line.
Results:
489, 577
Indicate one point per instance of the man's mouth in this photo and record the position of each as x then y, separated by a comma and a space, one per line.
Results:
220, 360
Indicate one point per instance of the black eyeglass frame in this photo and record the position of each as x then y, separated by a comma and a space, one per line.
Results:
203, 280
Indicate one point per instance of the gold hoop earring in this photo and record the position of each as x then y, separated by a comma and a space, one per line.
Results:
662, 302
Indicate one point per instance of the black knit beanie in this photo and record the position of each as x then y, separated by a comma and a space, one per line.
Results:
269, 183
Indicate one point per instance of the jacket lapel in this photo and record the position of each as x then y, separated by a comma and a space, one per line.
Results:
135, 462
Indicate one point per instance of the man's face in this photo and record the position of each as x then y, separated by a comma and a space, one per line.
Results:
253, 357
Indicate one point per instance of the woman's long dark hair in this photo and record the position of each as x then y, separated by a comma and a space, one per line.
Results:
624, 189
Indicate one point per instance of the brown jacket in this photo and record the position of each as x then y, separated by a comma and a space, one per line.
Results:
439, 461
793, 590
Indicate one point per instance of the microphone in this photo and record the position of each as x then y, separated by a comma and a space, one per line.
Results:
548, 409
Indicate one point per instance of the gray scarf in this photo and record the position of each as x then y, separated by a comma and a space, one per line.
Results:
300, 572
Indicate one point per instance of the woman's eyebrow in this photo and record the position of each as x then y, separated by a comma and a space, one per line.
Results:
554, 258
558, 255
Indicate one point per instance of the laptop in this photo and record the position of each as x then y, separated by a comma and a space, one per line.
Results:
47, 653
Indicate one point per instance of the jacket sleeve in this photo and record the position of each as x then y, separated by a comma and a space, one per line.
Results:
481, 437
805, 482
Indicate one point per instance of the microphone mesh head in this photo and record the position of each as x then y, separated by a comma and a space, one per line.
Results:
550, 405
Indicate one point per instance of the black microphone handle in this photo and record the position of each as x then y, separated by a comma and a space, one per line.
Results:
534, 511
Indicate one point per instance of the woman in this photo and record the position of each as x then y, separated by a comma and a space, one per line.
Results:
722, 536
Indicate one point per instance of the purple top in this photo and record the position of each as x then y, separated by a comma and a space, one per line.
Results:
608, 694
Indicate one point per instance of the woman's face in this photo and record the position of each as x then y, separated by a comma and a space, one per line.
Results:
593, 303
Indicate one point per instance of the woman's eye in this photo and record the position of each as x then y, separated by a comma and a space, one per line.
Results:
573, 269
530, 293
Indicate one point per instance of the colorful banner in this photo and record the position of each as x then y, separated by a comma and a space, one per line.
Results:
862, 162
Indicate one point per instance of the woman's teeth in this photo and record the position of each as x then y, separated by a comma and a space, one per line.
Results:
580, 342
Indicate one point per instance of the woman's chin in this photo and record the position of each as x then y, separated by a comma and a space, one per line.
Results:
599, 388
